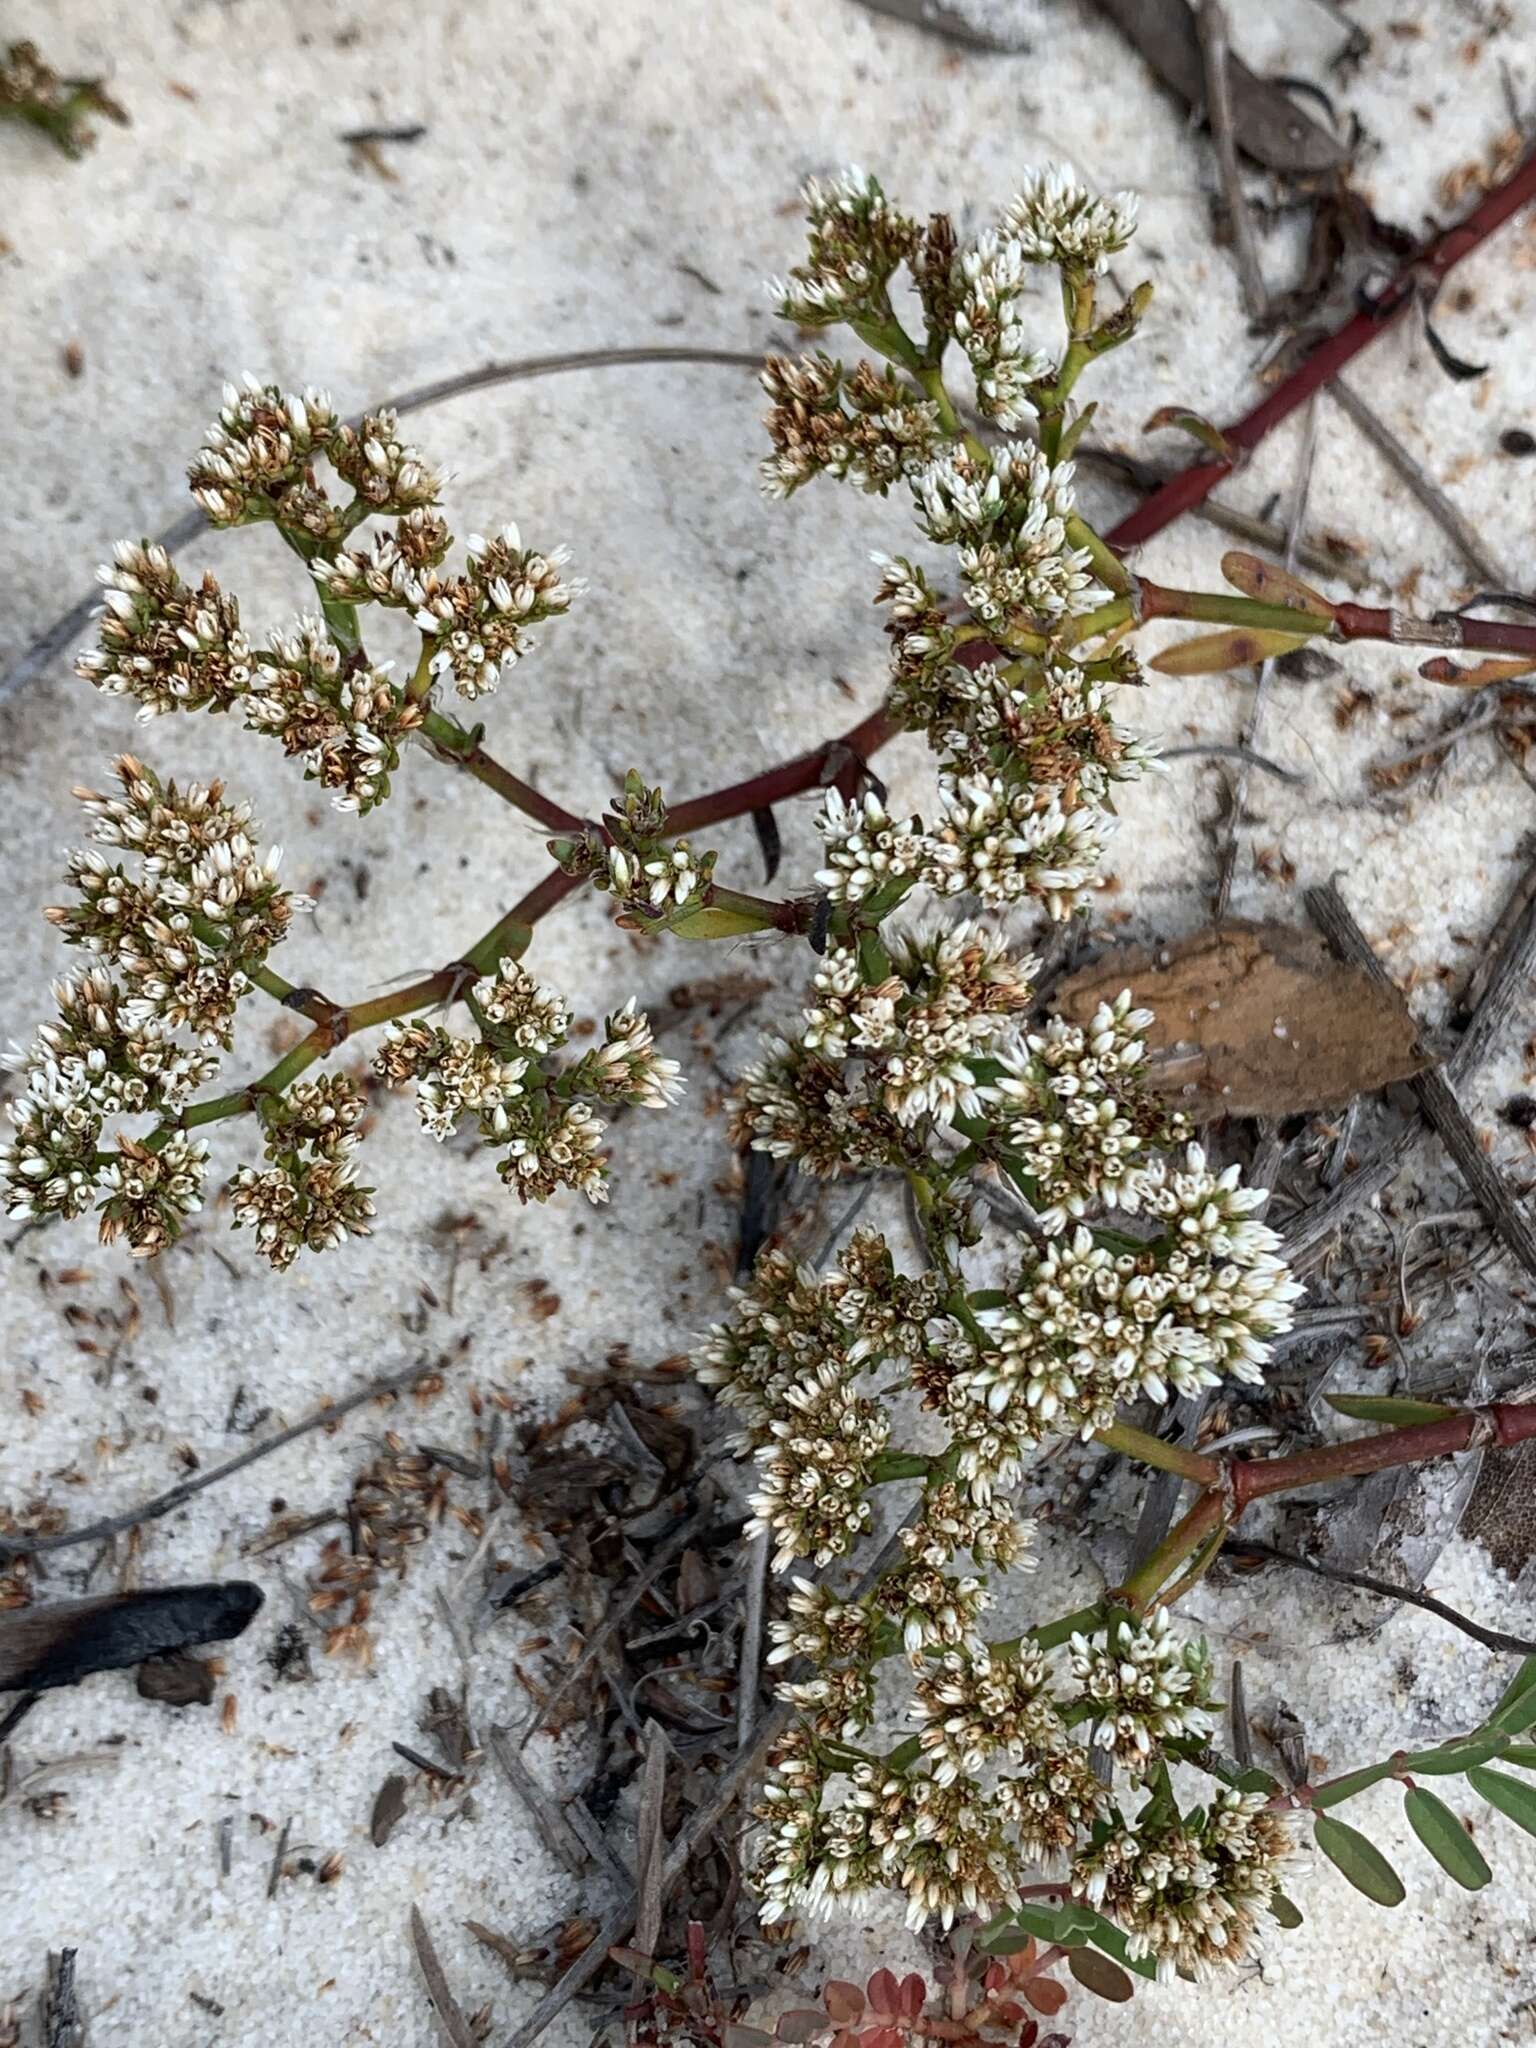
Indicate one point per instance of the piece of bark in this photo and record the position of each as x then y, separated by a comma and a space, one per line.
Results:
1255, 1020
1269, 126
388, 1809
949, 26
177, 1679
67, 1640
1501, 1515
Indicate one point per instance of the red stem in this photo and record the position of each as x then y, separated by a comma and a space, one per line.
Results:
1512, 1422
1194, 485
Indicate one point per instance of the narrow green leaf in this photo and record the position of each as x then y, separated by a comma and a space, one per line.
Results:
1359, 1860
1346, 1788
1107, 1936
717, 921
1451, 1758
1514, 1799
1517, 1709
1523, 1754
1443, 1835
1281, 1907
1096, 1973
1391, 1409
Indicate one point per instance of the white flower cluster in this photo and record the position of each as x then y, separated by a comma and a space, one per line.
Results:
307, 1198
856, 241
1188, 1892
389, 569
150, 1190
1090, 1326
861, 425
950, 997
1144, 1689
478, 624
256, 455
101, 1059
173, 648
345, 720
973, 1706
992, 277
1005, 510
1056, 219
666, 875
541, 1112
166, 645
388, 474
1072, 1101
815, 1469
1009, 843
866, 848
207, 909
944, 1845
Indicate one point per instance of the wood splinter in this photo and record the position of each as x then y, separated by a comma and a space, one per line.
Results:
67, 1640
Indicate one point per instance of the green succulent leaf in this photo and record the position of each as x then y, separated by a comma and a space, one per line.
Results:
1284, 1911
1441, 1832
1513, 1798
1451, 1758
1391, 1409
1358, 1860
1096, 1973
1517, 1709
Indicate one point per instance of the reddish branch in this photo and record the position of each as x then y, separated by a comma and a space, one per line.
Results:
1419, 279
1350, 622
1232, 1485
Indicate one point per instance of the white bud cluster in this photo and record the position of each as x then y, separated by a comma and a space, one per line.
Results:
991, 278
1056, 219
1072, 1101
1144, 1689
477, 625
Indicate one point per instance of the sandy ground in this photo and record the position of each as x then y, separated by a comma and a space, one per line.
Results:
593, 173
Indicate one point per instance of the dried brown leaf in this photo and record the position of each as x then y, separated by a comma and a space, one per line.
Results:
1211, 654
1271, 584
1256, 1020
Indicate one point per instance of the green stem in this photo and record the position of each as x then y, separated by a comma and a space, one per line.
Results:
1147, 1449
1209, 1515
420, 685
1119, 611
893, 1465
1111, 571
1158, 601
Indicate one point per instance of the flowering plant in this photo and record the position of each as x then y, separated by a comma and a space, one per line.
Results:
1043, 1785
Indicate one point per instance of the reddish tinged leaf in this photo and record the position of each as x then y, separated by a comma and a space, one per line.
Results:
913, 1996
880, 2037
884, 1992
800, 2026
843, 2000
1046, 1995
1189, 422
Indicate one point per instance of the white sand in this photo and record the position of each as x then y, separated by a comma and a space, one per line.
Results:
577, 155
